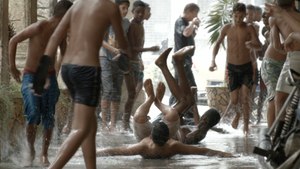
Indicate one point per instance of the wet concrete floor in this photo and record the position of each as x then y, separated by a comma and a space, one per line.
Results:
233, 141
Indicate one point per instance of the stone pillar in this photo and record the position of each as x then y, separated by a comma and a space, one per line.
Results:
51, 6
30, 12
4, 41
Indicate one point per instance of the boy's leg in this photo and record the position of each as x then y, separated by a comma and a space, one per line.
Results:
130, 85
83, 133
166, 110
114, 109
246, 95
234, 95
161, 62
31, 134
187, 99
141, 125
46, 142
105, 104
194, 107
141, 114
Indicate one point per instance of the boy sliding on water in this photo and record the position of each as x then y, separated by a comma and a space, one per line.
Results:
38, 108
156, 141
241, 38
87, 21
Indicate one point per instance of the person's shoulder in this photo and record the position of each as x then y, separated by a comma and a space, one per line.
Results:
40, 25
226, 27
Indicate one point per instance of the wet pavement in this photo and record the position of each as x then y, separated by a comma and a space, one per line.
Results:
233, 141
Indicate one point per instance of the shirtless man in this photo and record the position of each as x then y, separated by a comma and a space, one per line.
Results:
286, 24
134, 79
87, 22
38, 108
156, 141
241, 38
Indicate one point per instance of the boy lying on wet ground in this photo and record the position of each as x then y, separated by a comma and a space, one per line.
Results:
164, 139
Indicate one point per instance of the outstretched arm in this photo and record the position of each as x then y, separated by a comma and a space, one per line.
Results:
135, 149
186, 149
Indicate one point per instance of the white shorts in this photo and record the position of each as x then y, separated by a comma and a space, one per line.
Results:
292, 62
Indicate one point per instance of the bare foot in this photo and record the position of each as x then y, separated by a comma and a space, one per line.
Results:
29, 159
44, 161
160, 91
162, 59
246, 130
179, 55
149, 89
235, 121
66, 129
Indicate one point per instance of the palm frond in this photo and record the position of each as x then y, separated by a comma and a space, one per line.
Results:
219, 15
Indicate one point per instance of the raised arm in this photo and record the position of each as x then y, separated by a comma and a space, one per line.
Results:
135, 149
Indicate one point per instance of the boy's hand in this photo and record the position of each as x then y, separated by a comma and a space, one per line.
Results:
16, 74
213, 66
40, 76
196, 21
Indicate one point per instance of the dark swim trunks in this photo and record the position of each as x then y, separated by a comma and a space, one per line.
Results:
240, 75
83, 83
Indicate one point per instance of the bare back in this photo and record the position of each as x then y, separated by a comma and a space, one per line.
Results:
86, 35
237, 36
37, 43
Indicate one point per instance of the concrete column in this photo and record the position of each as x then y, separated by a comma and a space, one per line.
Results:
30, 12
4, 41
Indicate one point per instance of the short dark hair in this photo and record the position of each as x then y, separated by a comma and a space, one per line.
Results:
250, 7
258, 9
191, 7
160, 133
61, 7
138, 4
119, 2
285, 3
239, 7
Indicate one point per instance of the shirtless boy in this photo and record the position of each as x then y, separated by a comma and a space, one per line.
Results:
136, 38
37, 108
241, 38
112, 75
271, 68
156, 141
81, 71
